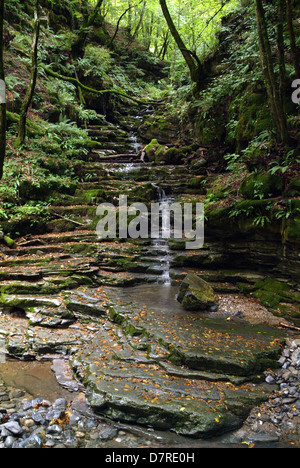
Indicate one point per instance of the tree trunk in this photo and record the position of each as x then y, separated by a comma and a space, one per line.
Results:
136, 31
33, 78
88, 21
164, 47
276, 106
280, 43
189, 57
291, 30
2, 95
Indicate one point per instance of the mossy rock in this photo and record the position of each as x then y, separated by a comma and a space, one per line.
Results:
253, 117
293, 188
196, 182
198, 166
195, 293
161, 128
175, 155
151, 149
160, 155
292, 230
263, 185
177, 244
279, 297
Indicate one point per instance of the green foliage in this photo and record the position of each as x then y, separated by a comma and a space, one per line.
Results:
282, 166
97, 61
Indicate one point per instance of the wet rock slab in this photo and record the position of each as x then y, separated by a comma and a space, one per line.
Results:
133, 370
200, 343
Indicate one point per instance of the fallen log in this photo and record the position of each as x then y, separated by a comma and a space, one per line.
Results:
290, 327
67, 219
120, 156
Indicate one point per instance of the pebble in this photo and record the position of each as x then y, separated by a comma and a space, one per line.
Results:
39, 423
280, 416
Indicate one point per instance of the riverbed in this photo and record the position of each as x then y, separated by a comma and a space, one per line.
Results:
98, 322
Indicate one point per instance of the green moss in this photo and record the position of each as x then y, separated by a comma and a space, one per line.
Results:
82, 249
293, 188
212, 131
292, 230
8, 241
159, 154
251, 113
30, 190
173, 156
151, 149
278, 297
19, 288
195, 293
263, 185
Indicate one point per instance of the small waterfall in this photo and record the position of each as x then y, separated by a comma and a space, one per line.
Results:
136, 146
162, 244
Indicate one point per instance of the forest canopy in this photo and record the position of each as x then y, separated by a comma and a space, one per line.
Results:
197, 23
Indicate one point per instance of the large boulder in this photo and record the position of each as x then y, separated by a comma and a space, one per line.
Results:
195, 293
153, 149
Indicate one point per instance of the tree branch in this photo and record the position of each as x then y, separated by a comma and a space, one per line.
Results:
94, 15
78, 83
120, 19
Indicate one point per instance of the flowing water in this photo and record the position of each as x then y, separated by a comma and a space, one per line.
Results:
161, 244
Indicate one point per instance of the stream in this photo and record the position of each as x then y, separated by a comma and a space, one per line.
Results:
101, 319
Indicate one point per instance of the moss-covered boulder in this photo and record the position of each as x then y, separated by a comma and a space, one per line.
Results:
153, 149
175, 155
252, 115
263, 185
293, 189
195, 293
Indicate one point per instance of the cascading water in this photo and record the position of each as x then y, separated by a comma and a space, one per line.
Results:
135, 145
161, 244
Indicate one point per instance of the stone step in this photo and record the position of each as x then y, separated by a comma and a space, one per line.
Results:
28, 275
62, 262
47, 239
26, 301
50, 285
124, 279
79, 248
35, 250
112, 133
123, 156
